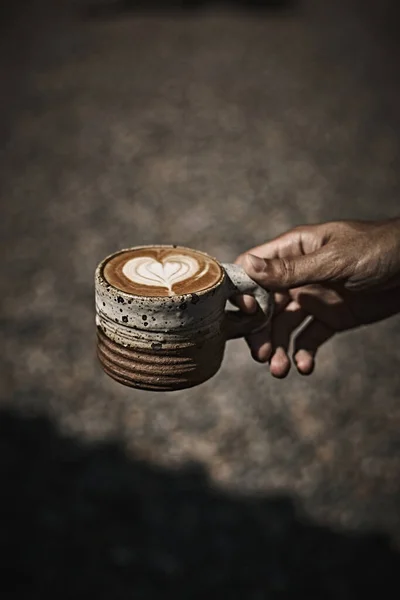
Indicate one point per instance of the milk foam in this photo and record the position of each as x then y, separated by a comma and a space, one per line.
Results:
165, 273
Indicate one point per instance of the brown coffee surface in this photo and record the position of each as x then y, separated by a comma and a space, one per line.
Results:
161, 271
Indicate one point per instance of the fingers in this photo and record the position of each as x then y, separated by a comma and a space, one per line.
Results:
307, 343
260, 345
296, 241
286, 273
273, 344
283, 328
246, 303
303, 239
291, 243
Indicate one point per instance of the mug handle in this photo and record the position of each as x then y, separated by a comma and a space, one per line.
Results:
237, 323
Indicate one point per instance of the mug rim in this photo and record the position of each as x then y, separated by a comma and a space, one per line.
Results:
103, 281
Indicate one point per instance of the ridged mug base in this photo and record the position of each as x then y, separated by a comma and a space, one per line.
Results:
161, 367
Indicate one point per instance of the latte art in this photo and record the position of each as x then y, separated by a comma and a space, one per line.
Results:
148, 271
162, 271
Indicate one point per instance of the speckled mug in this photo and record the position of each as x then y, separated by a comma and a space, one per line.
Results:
172, 342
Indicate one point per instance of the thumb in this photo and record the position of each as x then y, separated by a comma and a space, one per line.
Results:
286, 273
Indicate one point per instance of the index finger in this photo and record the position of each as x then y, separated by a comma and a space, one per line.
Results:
286, 244
269, 250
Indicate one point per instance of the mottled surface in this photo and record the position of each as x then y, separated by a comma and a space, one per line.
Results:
215, 130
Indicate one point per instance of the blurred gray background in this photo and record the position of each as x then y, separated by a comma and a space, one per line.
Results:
218, 129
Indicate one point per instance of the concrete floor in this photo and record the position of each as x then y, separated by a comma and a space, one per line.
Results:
216, 129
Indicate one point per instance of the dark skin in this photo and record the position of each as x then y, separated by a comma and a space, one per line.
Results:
326, 278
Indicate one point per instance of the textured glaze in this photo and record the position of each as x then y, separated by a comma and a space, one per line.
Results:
172, 342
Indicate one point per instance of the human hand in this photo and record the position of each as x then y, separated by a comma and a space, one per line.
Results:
326, 278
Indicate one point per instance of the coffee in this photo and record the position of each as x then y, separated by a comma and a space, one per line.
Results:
155, 271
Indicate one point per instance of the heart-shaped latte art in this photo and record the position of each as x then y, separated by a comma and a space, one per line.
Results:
146, 270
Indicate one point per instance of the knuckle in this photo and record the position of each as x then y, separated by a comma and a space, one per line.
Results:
298, 228
286, 268
335, 263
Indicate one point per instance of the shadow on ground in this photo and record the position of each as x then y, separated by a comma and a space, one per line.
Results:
80, 519
117, 7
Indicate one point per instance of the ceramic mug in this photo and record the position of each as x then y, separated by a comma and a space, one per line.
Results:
175, 340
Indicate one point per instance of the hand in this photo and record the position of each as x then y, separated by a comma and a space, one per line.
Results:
326, 278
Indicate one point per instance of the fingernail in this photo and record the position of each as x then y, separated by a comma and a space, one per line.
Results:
258, 264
